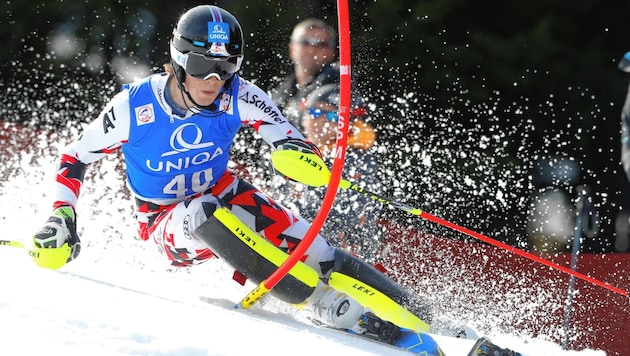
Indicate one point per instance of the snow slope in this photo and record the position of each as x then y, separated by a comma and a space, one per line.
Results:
103, 308
121, 297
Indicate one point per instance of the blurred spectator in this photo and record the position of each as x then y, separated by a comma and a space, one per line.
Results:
312, 50
309, 98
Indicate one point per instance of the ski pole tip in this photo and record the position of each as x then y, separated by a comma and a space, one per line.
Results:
250, 299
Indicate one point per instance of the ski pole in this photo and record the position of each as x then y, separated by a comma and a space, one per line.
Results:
51, 258
311, 170
11, 243
583, 207
342, 141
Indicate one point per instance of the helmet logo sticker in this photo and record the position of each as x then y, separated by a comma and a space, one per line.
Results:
218, 50
218, 32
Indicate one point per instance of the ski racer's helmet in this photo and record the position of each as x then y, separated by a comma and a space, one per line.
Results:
207, 41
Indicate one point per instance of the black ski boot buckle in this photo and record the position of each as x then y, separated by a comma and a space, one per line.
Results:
383, 330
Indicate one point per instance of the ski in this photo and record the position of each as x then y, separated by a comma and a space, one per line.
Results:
484, 347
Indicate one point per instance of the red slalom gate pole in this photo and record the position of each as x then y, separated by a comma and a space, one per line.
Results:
519, 252
340, 153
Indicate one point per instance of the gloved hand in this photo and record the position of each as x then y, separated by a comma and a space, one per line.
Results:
59, 229
299, 145
295, 145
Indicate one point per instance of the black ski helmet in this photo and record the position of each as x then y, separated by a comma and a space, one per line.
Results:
206, 40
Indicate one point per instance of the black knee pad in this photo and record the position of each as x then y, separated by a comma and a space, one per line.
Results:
350, 265
254, 256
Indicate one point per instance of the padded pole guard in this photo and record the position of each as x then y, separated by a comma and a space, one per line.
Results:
352, 266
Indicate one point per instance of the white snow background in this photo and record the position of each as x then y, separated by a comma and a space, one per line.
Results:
120, 297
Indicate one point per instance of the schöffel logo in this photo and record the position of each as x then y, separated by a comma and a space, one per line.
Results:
218, 32
144, 114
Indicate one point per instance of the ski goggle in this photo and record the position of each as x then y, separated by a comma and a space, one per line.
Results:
203, 67
330, 115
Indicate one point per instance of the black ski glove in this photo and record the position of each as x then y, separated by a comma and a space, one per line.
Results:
298, 145
59, 229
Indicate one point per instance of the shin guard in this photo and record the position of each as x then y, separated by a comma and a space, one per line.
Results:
376, 291
254, 256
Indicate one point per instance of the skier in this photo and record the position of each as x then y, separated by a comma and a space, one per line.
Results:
175, 130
